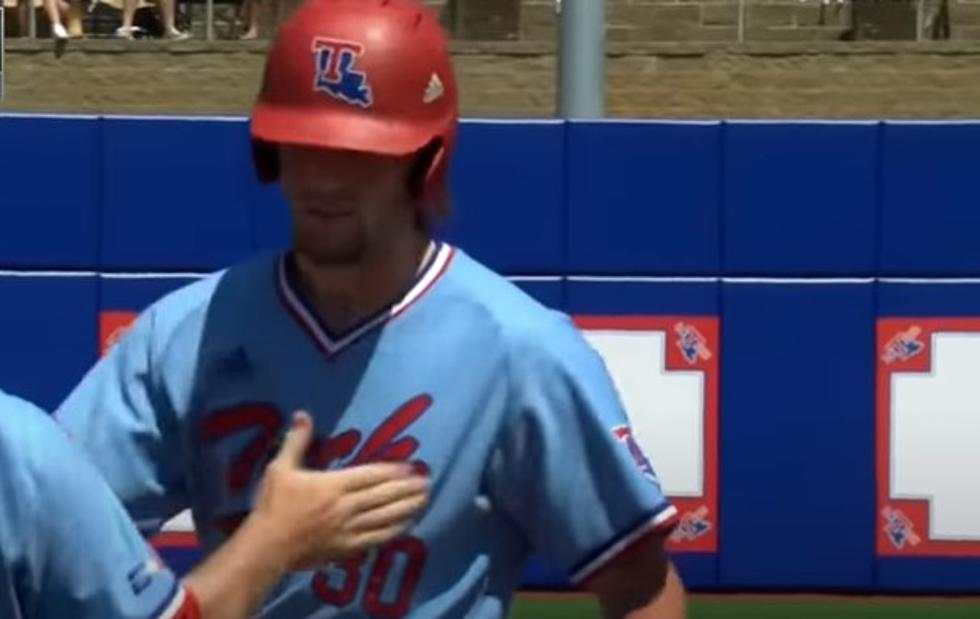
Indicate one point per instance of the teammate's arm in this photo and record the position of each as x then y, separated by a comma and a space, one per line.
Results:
83, 558
87, 561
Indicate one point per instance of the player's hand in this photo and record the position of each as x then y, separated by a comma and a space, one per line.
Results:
323, 516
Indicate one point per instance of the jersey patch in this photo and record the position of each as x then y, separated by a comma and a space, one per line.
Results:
625, 436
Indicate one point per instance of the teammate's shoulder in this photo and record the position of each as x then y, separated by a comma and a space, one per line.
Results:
17, 413
26, 449
29, 437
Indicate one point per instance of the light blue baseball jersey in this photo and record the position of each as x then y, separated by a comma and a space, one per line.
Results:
68, 547
501, 399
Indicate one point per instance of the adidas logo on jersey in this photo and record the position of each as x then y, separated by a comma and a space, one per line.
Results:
235, 364
141, 576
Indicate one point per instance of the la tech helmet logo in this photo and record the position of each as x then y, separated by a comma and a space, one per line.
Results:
336, 74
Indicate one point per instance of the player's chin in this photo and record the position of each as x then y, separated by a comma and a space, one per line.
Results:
336, 243
333, 254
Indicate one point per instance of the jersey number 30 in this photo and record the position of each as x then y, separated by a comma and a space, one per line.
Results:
382, 599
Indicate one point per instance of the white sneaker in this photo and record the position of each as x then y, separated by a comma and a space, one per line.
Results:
128, 33
59, 32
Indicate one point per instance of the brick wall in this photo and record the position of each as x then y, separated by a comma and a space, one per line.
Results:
701, 20
820, 79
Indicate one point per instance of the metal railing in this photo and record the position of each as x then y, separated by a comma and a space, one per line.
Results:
744, 27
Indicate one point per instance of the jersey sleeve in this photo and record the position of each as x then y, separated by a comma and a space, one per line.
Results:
76, 551
94, 563
567, 469
127, 412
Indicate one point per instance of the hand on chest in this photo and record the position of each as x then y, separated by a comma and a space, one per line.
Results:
365, 409
241, 438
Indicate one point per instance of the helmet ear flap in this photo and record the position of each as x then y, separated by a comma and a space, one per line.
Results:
427, 183
424, 169
265, 157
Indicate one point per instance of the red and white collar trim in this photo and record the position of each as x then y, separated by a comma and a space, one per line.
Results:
437, 265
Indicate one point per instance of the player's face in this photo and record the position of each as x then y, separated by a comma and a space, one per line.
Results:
345, 205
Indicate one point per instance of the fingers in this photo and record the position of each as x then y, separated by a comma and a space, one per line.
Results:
378, 537
369, 475
388, 492
297, 441
391, 514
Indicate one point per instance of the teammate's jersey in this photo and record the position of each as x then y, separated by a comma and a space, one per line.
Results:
500, 398
68, 547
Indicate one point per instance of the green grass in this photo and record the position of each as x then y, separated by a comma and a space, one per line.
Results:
577, 608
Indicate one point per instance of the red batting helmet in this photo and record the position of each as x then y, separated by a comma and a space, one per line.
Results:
372, 76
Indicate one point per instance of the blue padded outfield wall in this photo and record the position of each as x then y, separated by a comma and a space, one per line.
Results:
818, 282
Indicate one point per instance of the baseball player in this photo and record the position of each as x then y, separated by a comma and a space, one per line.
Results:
402, 348
68, 548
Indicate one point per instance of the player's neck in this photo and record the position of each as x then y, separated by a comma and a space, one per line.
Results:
347, 295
